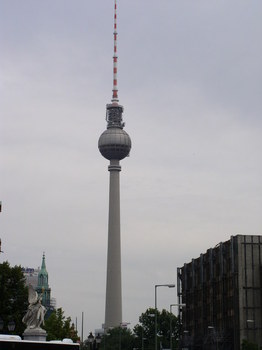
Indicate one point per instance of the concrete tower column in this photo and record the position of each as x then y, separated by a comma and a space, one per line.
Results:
113, 313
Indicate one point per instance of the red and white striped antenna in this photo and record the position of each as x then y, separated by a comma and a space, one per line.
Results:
115, 89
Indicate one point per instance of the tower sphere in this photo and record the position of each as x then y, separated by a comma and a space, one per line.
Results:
114, 143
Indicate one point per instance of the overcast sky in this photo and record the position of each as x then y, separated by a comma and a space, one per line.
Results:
190, 80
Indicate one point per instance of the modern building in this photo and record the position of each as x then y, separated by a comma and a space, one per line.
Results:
31, 276
223, 295
114, 144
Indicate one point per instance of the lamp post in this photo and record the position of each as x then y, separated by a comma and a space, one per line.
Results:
90, 340
82, 330
10, 325
98, 341
156, 286
171, 305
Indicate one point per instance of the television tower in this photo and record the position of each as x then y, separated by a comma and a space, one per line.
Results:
114, 144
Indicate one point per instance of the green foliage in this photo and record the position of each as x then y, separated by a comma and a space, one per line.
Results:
118, 338
145, 330
143, 335
13, 297
59, 327
246, 345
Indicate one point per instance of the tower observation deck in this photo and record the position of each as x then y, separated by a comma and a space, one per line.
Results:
114, 144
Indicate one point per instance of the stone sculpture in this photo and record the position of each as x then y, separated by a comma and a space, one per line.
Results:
35, 314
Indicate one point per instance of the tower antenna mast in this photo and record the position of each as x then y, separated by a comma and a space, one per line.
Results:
115, 58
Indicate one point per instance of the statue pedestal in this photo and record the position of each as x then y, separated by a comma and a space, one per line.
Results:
35, 334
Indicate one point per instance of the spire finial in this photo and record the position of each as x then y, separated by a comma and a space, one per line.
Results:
43, 261
115, 89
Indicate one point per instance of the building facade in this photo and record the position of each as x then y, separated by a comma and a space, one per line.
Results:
31, 276
223, 295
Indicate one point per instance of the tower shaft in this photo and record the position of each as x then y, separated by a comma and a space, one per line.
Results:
113, 312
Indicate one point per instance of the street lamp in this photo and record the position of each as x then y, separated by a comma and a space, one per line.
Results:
11, 326
90, 340
156, 286
171, 305
98, 341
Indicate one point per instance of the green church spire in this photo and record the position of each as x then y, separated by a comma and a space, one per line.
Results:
43, 276
42, 285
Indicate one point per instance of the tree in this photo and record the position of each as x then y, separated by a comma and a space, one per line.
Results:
145, 330
246, 345
13, 297
59, 327
118, 338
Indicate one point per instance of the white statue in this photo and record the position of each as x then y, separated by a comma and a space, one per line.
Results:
35, 314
